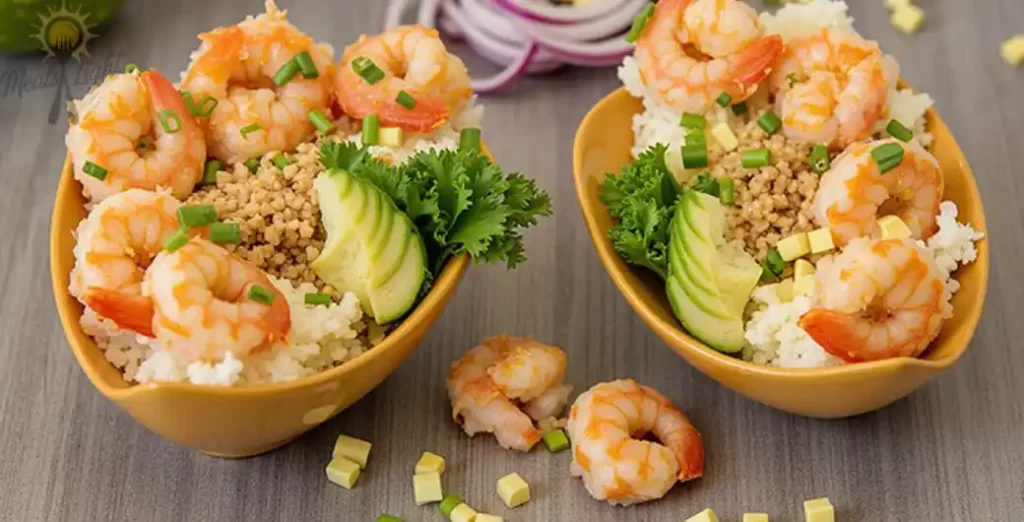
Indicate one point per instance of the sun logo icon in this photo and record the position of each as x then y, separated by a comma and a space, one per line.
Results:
64, 33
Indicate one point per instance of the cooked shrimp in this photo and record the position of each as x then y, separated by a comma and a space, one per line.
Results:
692, 51
488, 384
832, 87
880, 298
136, 129
196, 304
119, 239
413, 59
236, 66
604, 425
854, 192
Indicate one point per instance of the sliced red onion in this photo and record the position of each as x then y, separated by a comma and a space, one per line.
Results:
540, 11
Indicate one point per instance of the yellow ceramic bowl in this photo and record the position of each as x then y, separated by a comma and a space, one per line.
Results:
602, 145
240, 421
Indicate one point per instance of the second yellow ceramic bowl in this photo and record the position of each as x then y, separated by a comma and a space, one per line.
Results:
602, 145
235, 421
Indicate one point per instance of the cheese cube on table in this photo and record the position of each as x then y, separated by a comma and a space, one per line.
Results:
353, 449
427, 488
725, 136
897, 4
463, 513
704, 516
893, 227
1013, 50
755, 517
484, 517
343, 472
819, 510
908, 18
792, 247
513, 490
430, 462
820, 240
802, 267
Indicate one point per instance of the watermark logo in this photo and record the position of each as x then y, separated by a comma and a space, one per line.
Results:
64, 33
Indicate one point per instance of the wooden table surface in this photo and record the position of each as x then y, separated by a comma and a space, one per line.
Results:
952, 451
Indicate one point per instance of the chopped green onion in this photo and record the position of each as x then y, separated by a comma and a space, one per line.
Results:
740, 109
201, 110
556, 441
899, 131
766, 274
469, 139
319, 121
706, 183
724, 99
755, 159
191, 216
249, 129
176, 241
696, 137
365, 67
819, 159
286, 73
449, 503
131, 68
773, 260
406, 100
888, 156
281, 161
210, 171
371, 130
94, 170
261, 294
253, 164
769, 122
693, 121
306, 65
318, 299
389, 518
166, 116
694, 156
226, 233
639, 22
725, 191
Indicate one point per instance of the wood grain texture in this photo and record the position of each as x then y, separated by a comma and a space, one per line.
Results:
953, 451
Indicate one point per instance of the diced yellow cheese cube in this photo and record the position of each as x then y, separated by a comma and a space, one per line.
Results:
820, 240
893, 227
908, 18
803, 267
783, 290
1013, 50
897, 4
819, 510
391, 136
725, 137
353, 449
426, 487
792, 247
430, 462
755, 517
804, 285
343, 472
484, 517
704, 516
463, 513
513, 490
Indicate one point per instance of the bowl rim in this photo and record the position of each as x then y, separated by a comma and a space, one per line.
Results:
683, 342
444, 285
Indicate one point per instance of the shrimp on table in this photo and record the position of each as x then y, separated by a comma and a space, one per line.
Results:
134, 131
256, 110
499, 386
120, 238
832, 87
605, 424
854, 192
410, 58
880, 298
692, 51
196, 303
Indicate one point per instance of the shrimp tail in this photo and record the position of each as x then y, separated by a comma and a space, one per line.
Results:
165, 96
692, 466
130, 312
755, 63
836, 332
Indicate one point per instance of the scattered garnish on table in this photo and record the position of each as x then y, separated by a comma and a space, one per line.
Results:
513, 490
704, 516
1012, 50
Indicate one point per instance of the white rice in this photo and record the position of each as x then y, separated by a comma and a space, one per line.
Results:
445, 137
773, 335
660, 124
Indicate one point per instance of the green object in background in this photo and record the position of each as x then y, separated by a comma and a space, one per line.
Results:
52, 26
